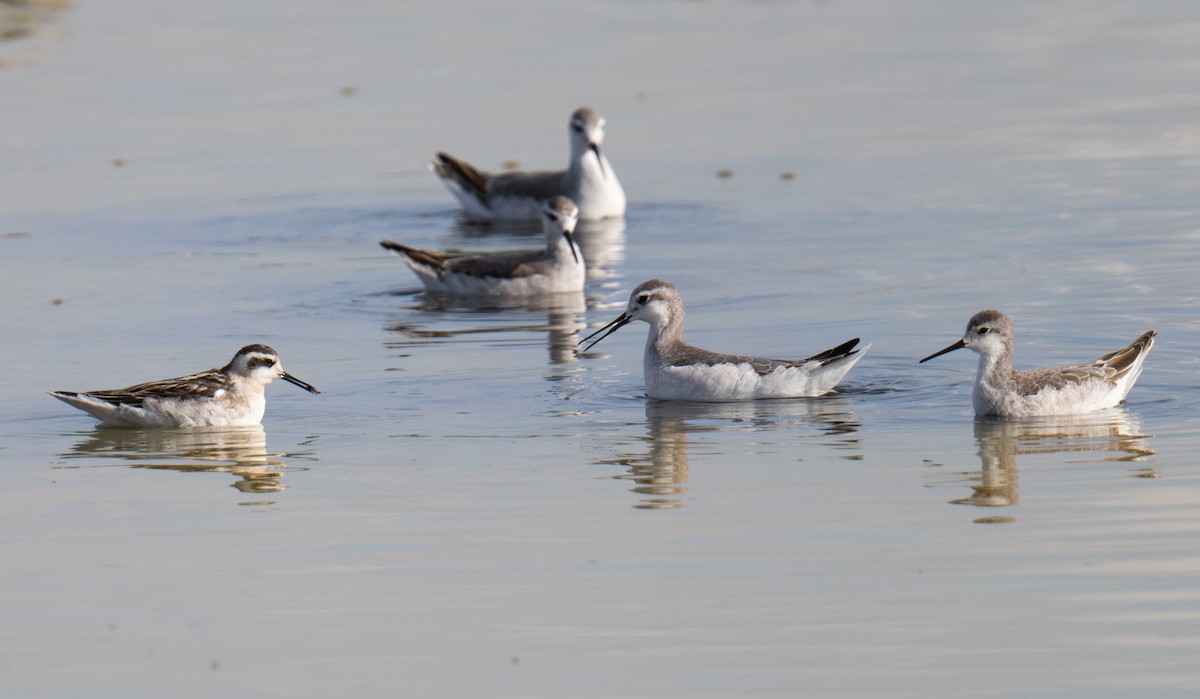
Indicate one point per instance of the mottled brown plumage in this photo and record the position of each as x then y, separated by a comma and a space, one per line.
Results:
1077, 388
229, 396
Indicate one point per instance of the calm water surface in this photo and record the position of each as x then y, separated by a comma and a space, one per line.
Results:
470, 508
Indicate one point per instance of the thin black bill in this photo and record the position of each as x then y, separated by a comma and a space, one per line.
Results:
957, 345
611, 328
302, 384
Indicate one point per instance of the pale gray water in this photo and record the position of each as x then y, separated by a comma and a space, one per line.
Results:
468, 509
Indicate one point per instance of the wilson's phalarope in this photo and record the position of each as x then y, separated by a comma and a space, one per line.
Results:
588, 180
677, 371
227, 397
1069, 390
557, 267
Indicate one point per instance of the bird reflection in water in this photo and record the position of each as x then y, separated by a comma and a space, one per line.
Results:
602, 241
660, 471
1001, 440
239, 451
660, 475
602, 244
28, 21
466, 317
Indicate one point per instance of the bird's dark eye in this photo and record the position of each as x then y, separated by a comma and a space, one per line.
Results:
643, 299
984, 331
576, 128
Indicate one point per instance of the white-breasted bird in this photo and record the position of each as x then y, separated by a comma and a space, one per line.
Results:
1080, 388
231, 396
557, 267
675, 370
588, 180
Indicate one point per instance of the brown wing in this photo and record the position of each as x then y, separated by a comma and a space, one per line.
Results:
1121, 361
1036, 380
203, 385
1111, 367
467, 176
429, 258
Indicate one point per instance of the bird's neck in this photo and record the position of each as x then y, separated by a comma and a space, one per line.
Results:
664, 335
585, 162
560, 246
996, 369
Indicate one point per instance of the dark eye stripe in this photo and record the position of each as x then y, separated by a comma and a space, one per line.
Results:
256, 362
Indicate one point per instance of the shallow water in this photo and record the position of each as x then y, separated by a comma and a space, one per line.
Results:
470, 507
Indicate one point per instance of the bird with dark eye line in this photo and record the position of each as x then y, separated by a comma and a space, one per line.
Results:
559, 267
231, 396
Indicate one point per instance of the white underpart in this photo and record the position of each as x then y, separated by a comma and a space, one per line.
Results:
1073, 399
499, 207
566, 273
243, 408
596, 191
588, 181
242, 405
731, 382
560, 279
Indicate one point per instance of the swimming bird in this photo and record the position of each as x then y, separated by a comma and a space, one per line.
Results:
1069, 390
557, 267
227, 397
588, 180
674, 370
